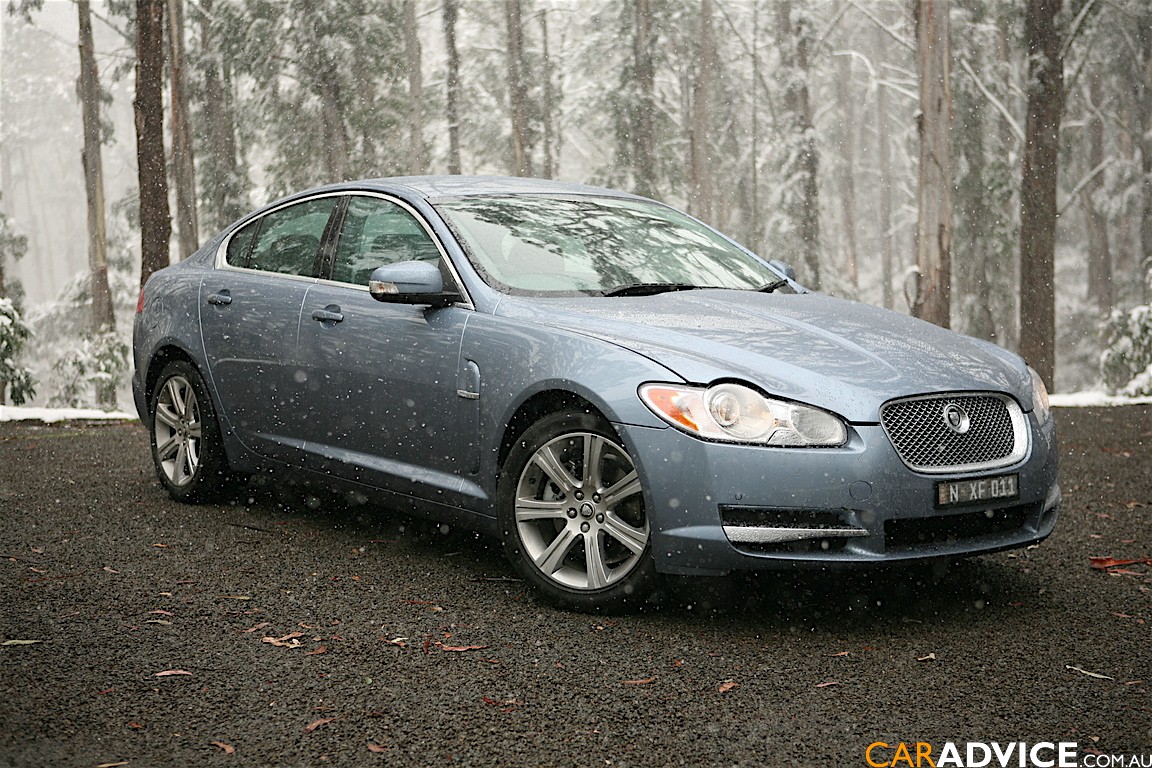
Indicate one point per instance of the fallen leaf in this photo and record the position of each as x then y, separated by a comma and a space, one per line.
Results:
111, 570
318, 651
838, 655
1103, 563
312, 726
397, 641
827, 684
165, 622
159, 612
1134, 682
37, 550
21, 642
728, 685
929, 657
228, 748
1096, 675
443, 647
1123, 572
645, 681
134, 724
161, 546
288, 641
172, 672
234, 597
112, 765
376, 748
261, 625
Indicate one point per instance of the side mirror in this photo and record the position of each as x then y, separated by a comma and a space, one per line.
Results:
410, 282
782, 268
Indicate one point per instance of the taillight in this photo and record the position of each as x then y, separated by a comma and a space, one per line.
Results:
140, 302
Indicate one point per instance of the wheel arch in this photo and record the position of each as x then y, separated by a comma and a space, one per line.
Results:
536, 407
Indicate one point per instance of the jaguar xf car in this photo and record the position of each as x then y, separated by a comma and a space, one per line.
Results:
612, 388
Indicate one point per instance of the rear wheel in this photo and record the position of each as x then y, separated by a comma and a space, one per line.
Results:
186, 445
573, 517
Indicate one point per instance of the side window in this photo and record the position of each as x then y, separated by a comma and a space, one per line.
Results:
290, 237
376, 233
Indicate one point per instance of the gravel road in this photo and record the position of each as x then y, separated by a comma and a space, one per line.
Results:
283, 631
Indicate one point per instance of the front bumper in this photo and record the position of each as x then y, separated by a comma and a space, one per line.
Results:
716, 508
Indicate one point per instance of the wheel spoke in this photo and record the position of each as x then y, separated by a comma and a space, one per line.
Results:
166, 416
180, 471
550, 560
534, 509
593, 454
548, 461
635, 539
629, 485
177, 402
598, 574
188, 411
168, 448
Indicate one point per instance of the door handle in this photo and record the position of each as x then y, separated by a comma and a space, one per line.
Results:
328, 315
220, 299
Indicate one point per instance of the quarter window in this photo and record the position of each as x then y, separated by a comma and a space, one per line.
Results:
375, 233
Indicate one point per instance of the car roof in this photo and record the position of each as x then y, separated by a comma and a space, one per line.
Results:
439, 187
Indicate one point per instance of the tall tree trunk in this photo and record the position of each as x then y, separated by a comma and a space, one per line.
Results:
845, 95
884, 150
103, 314
418, 159
224, 198
933, 296
1038, 187
1099, 254
700, 191
804, 208
155, 220
549, 136
1144, 110
644, 119
183, 167
452, 106
521, 159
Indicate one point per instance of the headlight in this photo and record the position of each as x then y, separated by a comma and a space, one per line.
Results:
739, 414
1040, 403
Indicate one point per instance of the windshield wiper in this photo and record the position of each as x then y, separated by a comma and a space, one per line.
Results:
648, 289
771, 287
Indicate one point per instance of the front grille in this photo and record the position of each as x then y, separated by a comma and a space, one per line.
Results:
987, 431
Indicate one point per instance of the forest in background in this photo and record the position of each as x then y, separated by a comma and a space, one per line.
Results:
986, 164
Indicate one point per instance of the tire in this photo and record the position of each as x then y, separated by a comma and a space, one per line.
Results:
572, 515
186, 446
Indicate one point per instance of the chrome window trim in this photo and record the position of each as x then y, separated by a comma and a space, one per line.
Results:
1021, 434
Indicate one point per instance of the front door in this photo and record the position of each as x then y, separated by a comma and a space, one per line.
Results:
379, 381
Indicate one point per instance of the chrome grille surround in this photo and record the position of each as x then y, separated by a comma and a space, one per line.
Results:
994, 432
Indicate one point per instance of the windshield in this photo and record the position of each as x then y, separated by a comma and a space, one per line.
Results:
596, 245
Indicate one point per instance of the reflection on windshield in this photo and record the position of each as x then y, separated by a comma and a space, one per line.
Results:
570, 246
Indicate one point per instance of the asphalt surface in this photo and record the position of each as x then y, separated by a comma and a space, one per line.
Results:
278, 631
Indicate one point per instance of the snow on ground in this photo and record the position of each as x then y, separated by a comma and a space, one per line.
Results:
52, 415
1091, 398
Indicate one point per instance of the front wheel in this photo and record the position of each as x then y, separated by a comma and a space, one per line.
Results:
186, 445
572, 515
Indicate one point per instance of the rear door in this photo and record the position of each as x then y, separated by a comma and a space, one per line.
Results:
381, 379
249, 318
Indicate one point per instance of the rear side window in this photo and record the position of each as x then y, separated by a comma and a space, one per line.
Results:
284, 241
376, 233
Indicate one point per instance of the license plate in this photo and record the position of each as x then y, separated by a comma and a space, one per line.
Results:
958, 492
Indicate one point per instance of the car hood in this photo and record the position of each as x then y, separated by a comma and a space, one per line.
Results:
840, 355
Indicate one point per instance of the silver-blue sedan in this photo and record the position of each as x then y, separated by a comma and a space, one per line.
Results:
611, 387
